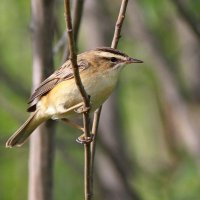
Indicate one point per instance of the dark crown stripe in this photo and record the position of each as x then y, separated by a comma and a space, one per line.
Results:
111, 50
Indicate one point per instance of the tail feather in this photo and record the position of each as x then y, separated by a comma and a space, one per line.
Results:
22, 134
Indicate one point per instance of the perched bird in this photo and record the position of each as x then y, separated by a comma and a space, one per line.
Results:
57, 97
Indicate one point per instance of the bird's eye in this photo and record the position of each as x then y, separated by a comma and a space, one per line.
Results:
113, 59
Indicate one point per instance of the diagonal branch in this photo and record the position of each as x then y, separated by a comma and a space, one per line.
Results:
116, 37
86, 100
77, 15
73, 55
118, 25
89, 150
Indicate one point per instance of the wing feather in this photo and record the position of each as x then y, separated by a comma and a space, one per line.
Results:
65, 72
43, 89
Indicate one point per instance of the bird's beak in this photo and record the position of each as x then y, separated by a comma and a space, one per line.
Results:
133, 60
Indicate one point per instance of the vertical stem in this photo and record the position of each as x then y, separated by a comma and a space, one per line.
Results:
118, 25
77, 16
87, 172
41, 155
97, 113
89, 151
86, 100
93, 145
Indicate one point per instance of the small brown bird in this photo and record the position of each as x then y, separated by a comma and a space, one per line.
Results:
57, 97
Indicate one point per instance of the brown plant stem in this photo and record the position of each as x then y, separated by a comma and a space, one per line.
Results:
86, 100
41, 154
95, 125
77, 16
118, 25
97, 113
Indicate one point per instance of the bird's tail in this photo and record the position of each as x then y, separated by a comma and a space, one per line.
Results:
22, 134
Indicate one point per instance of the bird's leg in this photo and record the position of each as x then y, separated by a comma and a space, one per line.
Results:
72, 124
73, 108
83, 109
78, 108
81, 139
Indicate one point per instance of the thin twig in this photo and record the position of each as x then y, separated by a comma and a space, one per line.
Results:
73, 59
77, 16
86, 100
95, 125
118, 25
97, 113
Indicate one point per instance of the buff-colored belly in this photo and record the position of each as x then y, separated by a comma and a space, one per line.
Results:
57, 103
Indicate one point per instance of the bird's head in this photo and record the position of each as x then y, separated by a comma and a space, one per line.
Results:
106, 58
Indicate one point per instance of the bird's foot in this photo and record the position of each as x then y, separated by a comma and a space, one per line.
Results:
85, 140
82, 109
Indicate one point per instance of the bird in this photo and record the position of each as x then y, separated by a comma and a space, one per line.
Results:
58, 97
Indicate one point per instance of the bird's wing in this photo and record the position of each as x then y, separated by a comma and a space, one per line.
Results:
65, 72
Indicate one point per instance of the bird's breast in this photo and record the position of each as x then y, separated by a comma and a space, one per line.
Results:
66, 95
100, 88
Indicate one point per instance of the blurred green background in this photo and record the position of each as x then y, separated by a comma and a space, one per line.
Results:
158, 102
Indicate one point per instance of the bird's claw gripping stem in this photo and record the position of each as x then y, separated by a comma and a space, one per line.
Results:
82, 109
85, 140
